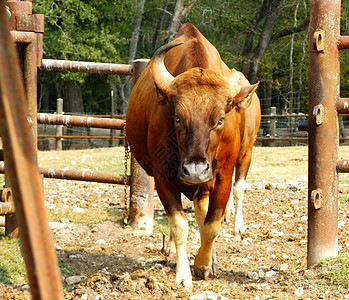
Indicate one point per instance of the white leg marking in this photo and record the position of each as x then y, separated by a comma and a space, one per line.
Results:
201, 207
229, 209
239, 190
170, 247
179, 232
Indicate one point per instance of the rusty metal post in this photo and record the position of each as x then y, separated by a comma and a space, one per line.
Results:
26, 32
85, 67
142, 186
11, 227
272, 128
26, 183
59, 128
80, 121
323, 130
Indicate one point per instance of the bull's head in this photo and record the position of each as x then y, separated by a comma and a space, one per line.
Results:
201, 98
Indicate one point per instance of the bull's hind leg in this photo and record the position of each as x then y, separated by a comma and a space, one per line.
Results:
239, 191
242, 166
229, 210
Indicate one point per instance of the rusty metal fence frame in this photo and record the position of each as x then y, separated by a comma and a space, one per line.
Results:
18, 119
325, 104
20, 155
20, 142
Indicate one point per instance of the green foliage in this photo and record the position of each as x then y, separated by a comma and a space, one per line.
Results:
65, 269
101, 31
95, 31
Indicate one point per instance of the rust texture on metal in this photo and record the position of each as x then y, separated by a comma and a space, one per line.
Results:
318, 40
18, 8
23, 37
30, 83
97, 137
7, 208
343, 42
85, 67
316, 198
26, 183
323, 139
303, 125
142, 186
343, 166
83, 176
79, 121
78, 175
7, 205
6, 195
318, 114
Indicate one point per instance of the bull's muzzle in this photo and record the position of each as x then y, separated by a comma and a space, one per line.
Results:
195, 173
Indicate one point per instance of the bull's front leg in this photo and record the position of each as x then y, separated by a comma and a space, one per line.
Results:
201, 207
179, 232
209, 225
171, 200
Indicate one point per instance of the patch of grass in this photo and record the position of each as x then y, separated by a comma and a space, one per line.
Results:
335, 272
12, 267
161, 224
65, 269
344, 200
104, 160
88, 216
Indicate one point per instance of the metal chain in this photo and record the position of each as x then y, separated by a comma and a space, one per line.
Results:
126, 158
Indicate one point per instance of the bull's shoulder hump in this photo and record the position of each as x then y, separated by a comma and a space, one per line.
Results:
188, 31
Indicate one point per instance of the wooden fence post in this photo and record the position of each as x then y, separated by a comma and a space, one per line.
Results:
272, 129
59, 128
142, 186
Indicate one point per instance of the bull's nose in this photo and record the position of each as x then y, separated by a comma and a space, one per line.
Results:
195, 172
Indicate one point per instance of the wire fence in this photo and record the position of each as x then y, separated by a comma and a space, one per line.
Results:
275, 130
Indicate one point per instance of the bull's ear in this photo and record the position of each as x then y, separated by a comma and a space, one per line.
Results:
162, 98
244, 98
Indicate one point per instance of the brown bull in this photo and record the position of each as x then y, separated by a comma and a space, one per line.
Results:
190, 121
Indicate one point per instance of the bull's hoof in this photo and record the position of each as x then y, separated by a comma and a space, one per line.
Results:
202, 272
226, 220
186, 283
214, 270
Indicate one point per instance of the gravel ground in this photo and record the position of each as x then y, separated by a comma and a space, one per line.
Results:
108, 261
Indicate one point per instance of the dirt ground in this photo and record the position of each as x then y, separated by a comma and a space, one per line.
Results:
107, 261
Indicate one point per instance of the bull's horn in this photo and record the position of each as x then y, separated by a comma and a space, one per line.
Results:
161, 76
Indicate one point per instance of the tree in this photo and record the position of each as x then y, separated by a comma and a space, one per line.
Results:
179, 13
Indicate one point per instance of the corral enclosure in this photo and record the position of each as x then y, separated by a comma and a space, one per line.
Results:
285, 130
158, 288
101, 259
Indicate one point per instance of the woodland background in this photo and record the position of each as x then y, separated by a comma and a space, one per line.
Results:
267, 40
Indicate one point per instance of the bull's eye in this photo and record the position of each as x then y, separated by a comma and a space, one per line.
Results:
221, 121
177, 120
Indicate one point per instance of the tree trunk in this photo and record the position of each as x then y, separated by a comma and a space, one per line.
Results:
179, 13
73, 103
135, 31
125, 86
159, 25
269, 12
